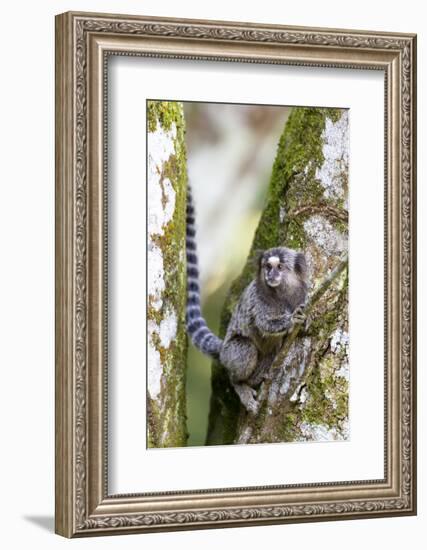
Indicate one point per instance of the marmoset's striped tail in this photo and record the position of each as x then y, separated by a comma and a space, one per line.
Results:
201, 336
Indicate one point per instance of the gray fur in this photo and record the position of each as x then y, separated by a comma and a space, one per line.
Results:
268, 308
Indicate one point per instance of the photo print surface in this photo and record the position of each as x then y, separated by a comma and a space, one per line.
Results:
247, 270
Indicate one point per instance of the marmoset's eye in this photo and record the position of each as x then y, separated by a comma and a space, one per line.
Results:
280, 267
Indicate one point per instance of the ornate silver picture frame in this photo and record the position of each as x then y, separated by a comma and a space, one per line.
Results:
84, 42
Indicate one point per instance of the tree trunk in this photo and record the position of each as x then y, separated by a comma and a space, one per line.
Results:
166, 196
305, 394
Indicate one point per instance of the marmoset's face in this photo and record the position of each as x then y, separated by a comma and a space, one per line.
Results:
273, 270
282, 267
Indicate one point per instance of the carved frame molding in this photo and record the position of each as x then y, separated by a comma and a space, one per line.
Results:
83, 42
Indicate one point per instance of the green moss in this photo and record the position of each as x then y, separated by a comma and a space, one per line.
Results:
333, 114
288, 429
296, 237
328, 395
164, 113
328, 392
341, 226
153, 431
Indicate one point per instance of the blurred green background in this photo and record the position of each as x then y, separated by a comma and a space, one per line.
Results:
231, 150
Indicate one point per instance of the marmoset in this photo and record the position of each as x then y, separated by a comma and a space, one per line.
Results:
267, 310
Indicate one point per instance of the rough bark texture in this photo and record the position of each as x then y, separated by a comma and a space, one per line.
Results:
305, 396
166, 196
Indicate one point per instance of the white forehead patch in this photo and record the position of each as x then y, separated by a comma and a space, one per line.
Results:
274, 261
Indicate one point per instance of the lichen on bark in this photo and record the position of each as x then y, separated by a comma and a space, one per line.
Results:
306, 209
166, 197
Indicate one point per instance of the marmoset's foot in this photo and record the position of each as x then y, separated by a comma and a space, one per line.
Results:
247, 397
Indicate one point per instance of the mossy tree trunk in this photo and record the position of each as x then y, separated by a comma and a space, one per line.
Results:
305, 397
166, 196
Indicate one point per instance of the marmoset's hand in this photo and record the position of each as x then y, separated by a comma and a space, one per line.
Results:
299, 316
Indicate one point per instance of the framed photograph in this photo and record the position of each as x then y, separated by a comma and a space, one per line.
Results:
235, 274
